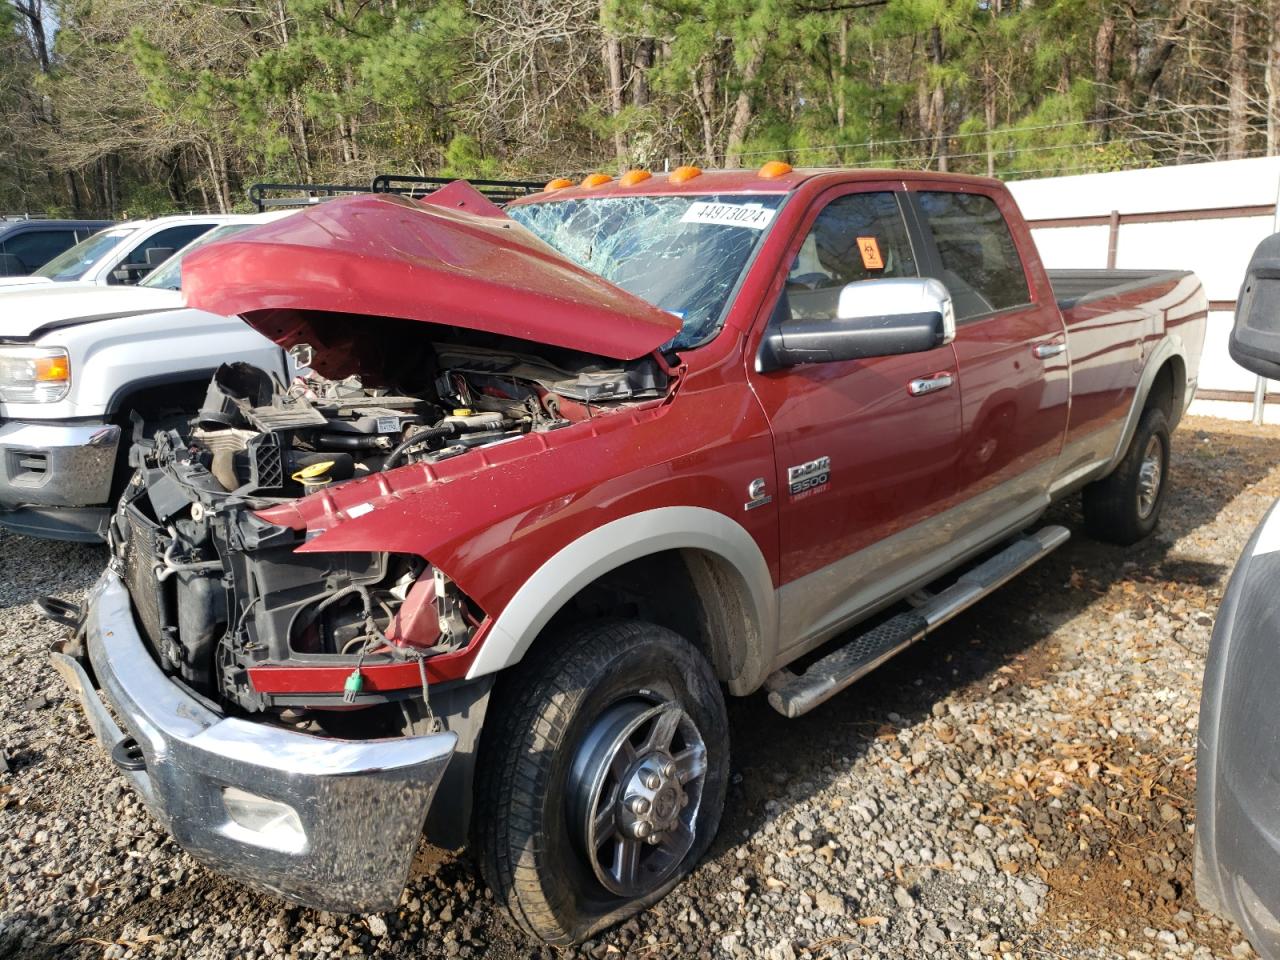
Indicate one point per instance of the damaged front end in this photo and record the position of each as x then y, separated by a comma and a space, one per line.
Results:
289, 690
227, 607
290, 712
224, 597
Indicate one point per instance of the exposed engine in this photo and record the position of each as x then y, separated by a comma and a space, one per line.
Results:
222, 595
265, 440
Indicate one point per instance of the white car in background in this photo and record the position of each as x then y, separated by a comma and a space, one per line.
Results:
121, 255
78, 364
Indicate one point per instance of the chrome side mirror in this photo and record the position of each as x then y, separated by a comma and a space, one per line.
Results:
874, 318
902, 300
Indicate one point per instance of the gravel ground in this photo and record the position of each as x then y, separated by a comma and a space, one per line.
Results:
1019, 785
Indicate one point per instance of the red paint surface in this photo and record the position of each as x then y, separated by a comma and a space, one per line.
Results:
298, 680
456, 260
491, 517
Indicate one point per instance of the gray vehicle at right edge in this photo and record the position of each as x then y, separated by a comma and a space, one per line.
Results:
1237, 867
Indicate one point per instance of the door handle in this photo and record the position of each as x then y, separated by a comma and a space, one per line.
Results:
930, 384
1043, 351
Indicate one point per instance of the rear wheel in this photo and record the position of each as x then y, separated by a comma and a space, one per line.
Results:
1124, 506
602, 778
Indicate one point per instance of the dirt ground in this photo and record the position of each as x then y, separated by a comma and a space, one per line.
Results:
1020, 784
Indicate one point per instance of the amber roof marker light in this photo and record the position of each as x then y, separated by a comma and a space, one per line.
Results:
774, 169
632, 177
682, 174
559, 183
592, 180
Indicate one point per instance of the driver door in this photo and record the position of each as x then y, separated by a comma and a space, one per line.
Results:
866, 459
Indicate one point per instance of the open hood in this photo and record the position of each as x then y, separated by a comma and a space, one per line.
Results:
452, 259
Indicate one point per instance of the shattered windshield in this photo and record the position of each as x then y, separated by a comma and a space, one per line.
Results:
682, 254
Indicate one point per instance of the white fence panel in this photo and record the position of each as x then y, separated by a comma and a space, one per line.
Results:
1205, 217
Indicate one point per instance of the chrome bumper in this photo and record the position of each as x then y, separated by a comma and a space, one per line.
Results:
56, 465
55, 478
350, 812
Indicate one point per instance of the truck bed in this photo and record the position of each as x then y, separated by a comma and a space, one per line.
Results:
1072, 287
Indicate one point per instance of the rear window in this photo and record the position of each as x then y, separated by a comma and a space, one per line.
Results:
980, 264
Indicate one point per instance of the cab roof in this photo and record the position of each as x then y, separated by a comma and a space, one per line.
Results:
771, 178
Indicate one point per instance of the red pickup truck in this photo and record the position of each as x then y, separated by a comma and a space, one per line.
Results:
562, 475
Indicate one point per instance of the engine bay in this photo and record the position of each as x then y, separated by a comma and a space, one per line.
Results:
263, 438
225, 600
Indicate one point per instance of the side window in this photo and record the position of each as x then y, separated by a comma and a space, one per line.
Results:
173, 238
860, 236
37, 247
980, 264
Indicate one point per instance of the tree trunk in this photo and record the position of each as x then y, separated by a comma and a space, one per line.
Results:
742, 108
842, 65
1104, 49
33, 13
642, 62
1147, 78
1237, 85
938, 102
612, 54
989, 113
224, 180
173, 179
1273, 80
73, 191
217, 158
704, 91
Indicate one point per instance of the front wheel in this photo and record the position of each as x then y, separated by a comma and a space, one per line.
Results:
1124, 506
603, 772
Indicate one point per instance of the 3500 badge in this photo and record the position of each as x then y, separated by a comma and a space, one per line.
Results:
806, 477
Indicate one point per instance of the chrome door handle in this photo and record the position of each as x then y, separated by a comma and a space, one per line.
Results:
1044, 351
930, 384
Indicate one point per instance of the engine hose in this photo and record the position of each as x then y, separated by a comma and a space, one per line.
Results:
355, 441
422, 436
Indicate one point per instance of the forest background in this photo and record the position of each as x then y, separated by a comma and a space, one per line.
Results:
131, 107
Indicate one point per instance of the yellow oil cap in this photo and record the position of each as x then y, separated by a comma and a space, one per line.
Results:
462, 412
313, 470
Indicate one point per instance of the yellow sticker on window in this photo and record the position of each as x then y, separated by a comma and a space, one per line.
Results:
870, 250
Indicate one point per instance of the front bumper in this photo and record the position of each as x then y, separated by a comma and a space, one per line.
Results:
360, 805
55, 478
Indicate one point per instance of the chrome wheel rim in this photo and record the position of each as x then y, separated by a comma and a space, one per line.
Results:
1150, 473
635, 788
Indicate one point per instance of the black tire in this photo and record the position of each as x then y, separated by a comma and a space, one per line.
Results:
1115, 508
529, 850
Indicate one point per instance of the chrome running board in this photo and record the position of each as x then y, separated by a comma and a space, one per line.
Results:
793, 695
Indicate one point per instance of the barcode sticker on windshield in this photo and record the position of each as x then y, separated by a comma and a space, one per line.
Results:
728, 214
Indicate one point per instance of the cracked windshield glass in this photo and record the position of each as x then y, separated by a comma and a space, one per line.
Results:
682, 254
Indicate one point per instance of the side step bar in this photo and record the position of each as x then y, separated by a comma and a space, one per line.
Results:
793, 695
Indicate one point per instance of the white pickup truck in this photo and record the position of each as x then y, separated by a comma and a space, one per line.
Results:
79, 362
123, 254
